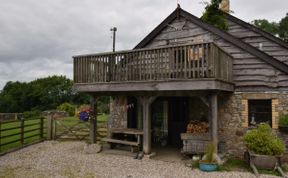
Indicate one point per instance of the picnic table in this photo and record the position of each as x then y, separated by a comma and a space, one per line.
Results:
124, 136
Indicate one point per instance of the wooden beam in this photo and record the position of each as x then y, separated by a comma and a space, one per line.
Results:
93, 120
146, 102
166, 85
214, 118
49, 127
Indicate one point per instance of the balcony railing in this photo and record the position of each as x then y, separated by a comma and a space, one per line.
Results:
194, 61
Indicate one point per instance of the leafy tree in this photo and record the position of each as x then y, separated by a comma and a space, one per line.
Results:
279, 29
271, 27
214, 16
283, 28
41, 94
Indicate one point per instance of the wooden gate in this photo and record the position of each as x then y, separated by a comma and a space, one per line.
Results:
65, 129
71, 128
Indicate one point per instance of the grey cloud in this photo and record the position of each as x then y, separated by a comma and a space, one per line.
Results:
38, 38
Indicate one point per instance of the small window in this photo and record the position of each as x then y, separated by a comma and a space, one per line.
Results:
260, 111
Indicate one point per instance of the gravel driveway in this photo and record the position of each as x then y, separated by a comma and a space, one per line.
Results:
66, 159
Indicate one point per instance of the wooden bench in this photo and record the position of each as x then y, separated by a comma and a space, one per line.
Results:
125, 131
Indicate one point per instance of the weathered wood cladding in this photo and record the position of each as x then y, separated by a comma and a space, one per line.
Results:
248, 70
194, 61
257, 40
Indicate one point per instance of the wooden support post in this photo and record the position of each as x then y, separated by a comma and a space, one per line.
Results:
214, 118
49, 127
146, 104
41, 127
22, 132
93, 121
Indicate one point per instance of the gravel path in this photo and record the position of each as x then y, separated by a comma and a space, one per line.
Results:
66, 159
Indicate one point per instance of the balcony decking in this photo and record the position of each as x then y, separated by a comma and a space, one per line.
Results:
191, 67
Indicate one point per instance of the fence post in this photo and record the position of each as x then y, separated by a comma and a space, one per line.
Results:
41, 127
93, 120
49, 127
0, 136
22, 132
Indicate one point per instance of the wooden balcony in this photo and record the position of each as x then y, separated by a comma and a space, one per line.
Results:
202, 66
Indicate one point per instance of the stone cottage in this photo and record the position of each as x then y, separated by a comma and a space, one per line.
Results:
186, 71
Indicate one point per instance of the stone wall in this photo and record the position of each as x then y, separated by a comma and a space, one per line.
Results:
233, 117
118, 112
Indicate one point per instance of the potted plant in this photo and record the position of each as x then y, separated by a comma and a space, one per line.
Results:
209, 160
264, 147
283, 123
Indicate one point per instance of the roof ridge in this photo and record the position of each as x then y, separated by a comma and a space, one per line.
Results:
257, 30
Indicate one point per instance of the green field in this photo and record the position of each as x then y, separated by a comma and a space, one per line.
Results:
10, 131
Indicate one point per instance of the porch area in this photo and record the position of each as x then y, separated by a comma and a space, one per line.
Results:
167, 76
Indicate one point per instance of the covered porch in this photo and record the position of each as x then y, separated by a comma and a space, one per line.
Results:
161, 119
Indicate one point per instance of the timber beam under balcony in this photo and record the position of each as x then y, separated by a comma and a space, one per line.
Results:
155, 86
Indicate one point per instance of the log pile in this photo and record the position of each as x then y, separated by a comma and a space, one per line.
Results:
197, 127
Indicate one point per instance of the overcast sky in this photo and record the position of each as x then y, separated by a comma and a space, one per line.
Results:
38, 38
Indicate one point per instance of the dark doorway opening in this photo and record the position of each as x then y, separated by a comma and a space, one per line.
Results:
132, 112
169, 120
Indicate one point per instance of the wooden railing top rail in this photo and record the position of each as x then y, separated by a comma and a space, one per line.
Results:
142, 49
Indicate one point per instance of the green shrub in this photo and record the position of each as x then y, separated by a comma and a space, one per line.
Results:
262, 141
32, 114
210, 151
67, 107
283, 120
214, 16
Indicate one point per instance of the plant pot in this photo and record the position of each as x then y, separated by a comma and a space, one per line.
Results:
263, 161
207, 167
283, 129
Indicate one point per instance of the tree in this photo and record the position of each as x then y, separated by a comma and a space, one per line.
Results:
214, 16
283, 28
271, 27
41, 94
279, 29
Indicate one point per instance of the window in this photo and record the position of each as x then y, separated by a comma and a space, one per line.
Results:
260, 111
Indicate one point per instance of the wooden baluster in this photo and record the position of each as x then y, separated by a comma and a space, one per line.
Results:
151, 56
207, 60
176, 62
194, 62
171, 62
181, 72
160, 71
185, 62
202, 55
198, 62
80, 69
190, 57
145, 66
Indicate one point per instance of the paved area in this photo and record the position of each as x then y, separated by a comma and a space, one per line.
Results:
67, 159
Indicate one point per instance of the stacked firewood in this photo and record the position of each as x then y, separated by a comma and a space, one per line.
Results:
197, 127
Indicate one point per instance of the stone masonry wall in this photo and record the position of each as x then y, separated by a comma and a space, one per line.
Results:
231, 117
118, 113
